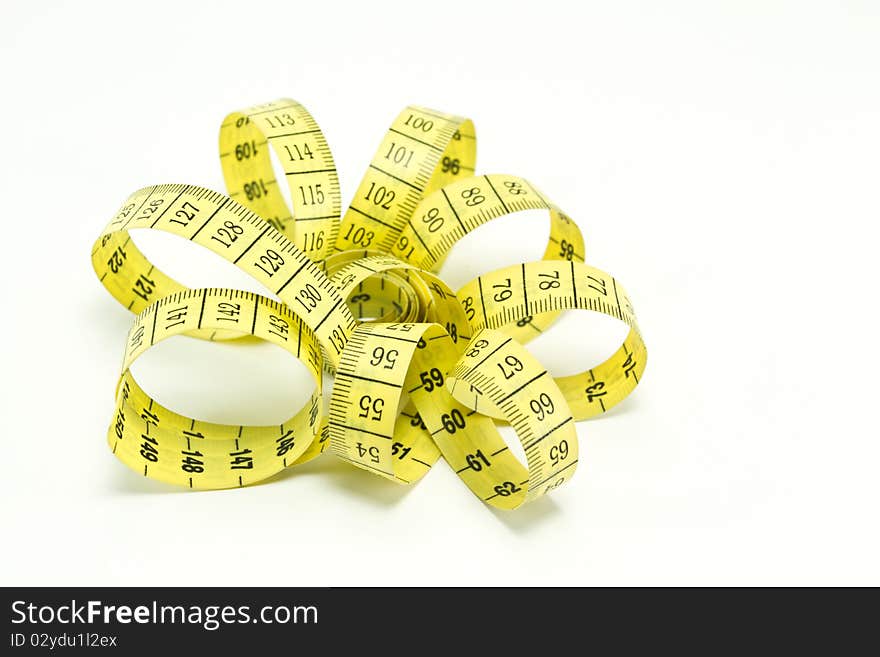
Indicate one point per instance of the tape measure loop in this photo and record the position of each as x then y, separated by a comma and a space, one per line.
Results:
159, 443
233, 232
247, 140
546, 286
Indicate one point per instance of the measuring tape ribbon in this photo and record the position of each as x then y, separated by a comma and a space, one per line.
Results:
179, 450
420, 370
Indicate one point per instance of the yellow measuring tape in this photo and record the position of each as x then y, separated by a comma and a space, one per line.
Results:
420, 370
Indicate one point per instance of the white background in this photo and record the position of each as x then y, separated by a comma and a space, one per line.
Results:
722, 159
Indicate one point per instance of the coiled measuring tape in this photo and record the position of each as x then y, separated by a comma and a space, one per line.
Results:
420, 370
